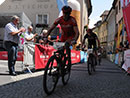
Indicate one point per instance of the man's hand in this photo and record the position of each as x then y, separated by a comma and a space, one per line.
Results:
22, 29
73, 41
99, 45
35, 34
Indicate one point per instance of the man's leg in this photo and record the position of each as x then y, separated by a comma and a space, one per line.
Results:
8, 46
96, 56
12, 56
68, 51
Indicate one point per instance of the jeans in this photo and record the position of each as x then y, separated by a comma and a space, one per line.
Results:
12, 49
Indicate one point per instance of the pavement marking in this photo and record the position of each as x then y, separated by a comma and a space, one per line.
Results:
26, 76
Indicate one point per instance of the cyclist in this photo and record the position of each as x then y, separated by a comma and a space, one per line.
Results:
92, 38
69, 28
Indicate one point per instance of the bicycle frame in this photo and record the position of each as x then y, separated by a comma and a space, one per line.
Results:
60, 55
53, 73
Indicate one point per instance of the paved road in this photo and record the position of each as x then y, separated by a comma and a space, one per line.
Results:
109, 81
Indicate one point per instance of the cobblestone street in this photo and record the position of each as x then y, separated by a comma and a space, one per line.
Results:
109, 81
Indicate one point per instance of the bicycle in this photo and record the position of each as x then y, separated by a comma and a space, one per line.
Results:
99, 58
57, 66
91, 61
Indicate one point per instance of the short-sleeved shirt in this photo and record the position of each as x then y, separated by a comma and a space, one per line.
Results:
10, 27
91, 39
67, 27
28, 36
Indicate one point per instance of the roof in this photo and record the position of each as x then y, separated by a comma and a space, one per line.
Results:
114, 3
105, 13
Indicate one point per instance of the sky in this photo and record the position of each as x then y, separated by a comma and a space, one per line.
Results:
1, 1
98, 7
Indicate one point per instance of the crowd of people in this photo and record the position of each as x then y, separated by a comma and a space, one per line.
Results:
12, 39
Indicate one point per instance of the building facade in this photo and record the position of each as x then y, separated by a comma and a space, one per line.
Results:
111, 21
43, 13
101, 30
120, 36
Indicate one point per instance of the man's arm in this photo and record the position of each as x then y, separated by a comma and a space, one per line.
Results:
29, 39
19, 31
76, 30
98, 42
50, 30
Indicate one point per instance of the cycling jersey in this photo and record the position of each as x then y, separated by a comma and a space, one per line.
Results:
91, 40
67, 27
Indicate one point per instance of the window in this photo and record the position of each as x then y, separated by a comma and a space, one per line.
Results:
16, 0
42, 19
45, 19
43, 0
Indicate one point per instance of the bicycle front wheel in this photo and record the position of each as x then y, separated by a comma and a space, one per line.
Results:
50, 77
66, 71
90, 65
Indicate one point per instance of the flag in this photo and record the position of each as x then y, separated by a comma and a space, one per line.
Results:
118, 36
123, 29
60, 4
125, 4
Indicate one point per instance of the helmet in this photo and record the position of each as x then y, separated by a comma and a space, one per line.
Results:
67, 9
89, 30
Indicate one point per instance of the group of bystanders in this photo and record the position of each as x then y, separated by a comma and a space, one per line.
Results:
11, 40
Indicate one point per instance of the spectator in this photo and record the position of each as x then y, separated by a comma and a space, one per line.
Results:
50, 41
29, 36
11, 41
126, 44
79, 46
121, 48
42, 38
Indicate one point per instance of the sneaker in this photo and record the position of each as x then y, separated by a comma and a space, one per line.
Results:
13, 73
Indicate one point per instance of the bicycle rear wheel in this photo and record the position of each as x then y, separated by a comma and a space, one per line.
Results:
66, 71
50, 77
99, 60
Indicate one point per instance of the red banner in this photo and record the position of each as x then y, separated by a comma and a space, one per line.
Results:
75, 56
42, 54
4, 55
126, 15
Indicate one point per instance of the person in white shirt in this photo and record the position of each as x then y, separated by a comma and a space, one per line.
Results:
29, 36
11, 41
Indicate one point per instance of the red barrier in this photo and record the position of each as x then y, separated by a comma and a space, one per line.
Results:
4, 55
75, 56
43, 53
